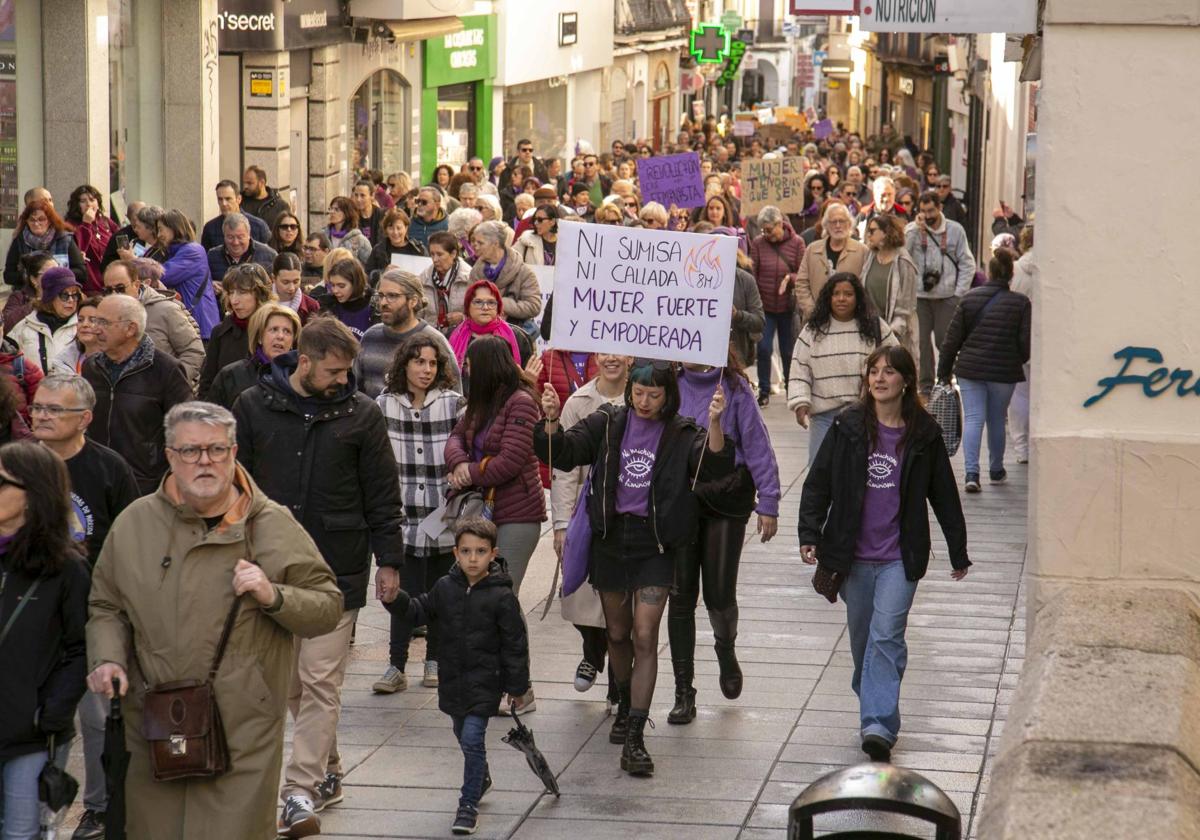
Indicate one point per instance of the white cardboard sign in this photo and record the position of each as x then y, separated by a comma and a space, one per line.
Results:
413, 265
650, 293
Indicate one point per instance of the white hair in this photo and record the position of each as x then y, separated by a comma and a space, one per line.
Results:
76, 384
205, 413
130, 309
462, 220
769, 215
235, 220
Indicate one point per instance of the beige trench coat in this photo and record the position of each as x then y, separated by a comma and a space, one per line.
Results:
814, 272
160, 593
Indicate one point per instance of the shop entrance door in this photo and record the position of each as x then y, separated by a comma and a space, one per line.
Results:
456, 124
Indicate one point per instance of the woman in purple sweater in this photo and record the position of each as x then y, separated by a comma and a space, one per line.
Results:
725, 508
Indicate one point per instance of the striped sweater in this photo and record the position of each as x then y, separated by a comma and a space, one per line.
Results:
827, 370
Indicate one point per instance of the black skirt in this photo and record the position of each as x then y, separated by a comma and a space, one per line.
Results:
629, 559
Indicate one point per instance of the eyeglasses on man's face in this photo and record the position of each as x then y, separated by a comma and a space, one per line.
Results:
51, 410
216, 452
104, 323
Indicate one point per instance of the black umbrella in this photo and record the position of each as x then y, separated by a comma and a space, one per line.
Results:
520, 738
115, 760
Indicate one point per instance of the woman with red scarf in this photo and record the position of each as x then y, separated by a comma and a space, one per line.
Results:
484, 309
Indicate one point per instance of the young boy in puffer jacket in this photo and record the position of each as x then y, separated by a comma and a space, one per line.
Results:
484, 654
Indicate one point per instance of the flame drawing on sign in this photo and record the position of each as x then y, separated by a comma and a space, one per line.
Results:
702, 267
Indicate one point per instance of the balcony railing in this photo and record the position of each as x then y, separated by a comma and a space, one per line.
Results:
635, 16
766, 30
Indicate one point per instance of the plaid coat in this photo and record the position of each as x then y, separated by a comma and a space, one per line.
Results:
418, 438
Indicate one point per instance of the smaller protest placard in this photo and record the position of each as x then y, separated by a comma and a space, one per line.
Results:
778, 182
413, 265
672, 179
640, 292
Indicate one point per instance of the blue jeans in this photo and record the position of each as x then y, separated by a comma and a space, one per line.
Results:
819, 426
20, 809
878, 598
984, 401
780, 322
471, 732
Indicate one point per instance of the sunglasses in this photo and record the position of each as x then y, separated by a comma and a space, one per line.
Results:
67, 297
117, 289
475, 168
289, 227
525, 149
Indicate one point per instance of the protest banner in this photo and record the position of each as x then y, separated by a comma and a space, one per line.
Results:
639, 292
672, 179
778, 182
412, 264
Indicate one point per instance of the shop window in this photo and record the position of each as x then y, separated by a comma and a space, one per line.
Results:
380, 123
538, 112
455, 118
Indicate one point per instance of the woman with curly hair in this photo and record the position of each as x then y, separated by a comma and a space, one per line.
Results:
828, 359
93, 230
41, 230
421, 404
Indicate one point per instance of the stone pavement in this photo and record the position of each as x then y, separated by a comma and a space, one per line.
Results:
733, 772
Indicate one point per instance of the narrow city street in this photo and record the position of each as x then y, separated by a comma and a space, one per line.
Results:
734, 771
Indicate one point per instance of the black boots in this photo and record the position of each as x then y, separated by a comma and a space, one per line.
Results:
634, 759
684, 710
724, 624
620, 726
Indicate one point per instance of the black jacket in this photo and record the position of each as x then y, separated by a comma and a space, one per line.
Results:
232, 379
128, 417
63, 245
832, 501
335, 472
226, 345
485, 647
44, 658
596, 440
990, 345
269, 209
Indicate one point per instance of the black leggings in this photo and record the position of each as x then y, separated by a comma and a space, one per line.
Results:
418, 575
714, 556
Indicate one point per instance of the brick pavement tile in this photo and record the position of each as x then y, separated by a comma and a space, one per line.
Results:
557, 829
648, 809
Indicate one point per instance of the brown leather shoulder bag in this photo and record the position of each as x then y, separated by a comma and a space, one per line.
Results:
182, 722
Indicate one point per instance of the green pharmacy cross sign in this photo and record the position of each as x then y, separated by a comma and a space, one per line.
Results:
709, 44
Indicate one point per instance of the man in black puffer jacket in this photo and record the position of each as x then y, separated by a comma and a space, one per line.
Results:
986, 347
485, 653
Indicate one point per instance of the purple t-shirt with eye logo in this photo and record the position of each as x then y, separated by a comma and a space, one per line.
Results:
639, 445
879, 531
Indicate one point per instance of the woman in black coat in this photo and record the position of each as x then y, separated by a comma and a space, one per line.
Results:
644, 458
863, 516
274, 329
246, 288
43, 600
986, 347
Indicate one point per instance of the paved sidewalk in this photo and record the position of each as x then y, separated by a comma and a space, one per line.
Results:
734, 771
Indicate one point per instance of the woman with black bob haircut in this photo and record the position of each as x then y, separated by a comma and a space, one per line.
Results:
645, 458
864, 517
44, 600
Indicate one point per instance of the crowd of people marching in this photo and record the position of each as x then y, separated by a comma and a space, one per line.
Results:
199, 389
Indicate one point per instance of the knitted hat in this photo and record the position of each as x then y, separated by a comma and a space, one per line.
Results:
55, 280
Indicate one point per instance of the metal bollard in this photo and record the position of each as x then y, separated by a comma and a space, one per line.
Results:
874, 787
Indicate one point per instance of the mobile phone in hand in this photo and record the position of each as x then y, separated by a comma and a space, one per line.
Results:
122, 242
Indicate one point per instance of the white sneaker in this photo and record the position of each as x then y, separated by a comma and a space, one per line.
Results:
393, 680
430, 679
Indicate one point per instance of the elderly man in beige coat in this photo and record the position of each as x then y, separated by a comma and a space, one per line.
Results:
169, 572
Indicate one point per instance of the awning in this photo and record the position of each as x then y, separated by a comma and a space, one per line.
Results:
420, 30
837, 67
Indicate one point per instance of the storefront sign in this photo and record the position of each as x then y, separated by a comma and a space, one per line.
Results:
824, 7
8, 64
709, 44
568, 28
272, 25
672, 179
650, 293
465, 56
1015, 16
736, 50
777, 183
1153, 383
262, 84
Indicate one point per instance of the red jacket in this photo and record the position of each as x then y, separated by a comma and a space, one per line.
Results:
559, 371
307, 309
512, 469
772, 262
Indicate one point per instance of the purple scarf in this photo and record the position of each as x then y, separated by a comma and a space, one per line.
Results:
492, 272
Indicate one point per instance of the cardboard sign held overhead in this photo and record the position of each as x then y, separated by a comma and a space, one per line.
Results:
777, 183
651, 293
672, 179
